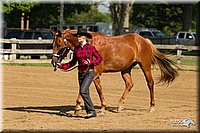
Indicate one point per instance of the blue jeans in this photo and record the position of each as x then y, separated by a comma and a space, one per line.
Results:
85, 80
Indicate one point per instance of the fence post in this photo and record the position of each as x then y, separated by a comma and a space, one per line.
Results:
179, 52
13, 55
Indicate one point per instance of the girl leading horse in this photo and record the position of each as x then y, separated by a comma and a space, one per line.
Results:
121, 54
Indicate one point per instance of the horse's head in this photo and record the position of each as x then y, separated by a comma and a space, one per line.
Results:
62, 44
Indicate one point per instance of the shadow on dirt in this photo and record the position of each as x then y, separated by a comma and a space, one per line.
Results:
114, 109
53, 110
63, 110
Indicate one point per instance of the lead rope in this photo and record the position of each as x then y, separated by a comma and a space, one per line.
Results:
60, 56
70, 69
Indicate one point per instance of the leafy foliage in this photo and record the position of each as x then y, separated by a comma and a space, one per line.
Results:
20, 6
44, 15
41, 15
165, 17
93, 15
119, 12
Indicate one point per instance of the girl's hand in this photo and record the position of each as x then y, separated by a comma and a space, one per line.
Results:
87, 62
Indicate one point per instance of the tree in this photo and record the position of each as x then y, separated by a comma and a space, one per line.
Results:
22, 6
19, 9
44, 15
120, 13
41, 15
165, 17
187, 17
92, 16
198, 23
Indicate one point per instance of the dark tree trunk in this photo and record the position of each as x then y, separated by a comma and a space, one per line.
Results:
198, 24
119, 12
187, 17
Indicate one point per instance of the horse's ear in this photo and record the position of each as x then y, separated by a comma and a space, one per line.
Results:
59, 33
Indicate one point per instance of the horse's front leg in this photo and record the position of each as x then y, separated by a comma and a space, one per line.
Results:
78, 104
100, 92
129, 85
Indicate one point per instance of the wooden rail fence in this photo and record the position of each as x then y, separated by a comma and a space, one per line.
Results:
14, 51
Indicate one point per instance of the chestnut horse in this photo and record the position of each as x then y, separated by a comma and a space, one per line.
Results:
121, 54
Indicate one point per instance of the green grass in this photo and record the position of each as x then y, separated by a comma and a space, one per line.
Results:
185, 53
183, 62
191, 53
28, 64
190, 62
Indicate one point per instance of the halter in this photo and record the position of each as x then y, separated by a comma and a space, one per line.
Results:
64, 52
60, 57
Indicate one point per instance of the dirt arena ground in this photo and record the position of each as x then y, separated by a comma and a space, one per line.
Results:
34, 96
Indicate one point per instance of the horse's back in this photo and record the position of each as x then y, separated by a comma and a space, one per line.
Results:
119, 52
123, 41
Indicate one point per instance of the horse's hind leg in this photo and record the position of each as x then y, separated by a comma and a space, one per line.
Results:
150, 82
97, 84
129, 84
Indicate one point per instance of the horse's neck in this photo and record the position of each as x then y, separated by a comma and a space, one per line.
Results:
70, 31
98, 40
73, 41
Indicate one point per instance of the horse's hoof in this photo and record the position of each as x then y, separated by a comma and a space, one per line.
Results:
62, 113
101, 113
151, 110
102, 110
65, 114
77, 112
120, 108
78, 108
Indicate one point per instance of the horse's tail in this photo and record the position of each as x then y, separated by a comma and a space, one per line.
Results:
167, 66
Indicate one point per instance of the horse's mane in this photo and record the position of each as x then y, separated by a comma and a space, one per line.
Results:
69, 31
91, 32
98, 38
